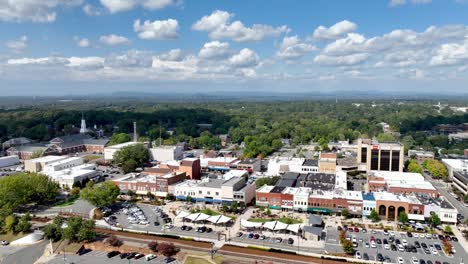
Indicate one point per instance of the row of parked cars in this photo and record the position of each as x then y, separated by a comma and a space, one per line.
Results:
290, 241
136, 255
135, 215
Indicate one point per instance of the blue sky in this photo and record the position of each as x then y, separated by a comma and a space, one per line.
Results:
100, 46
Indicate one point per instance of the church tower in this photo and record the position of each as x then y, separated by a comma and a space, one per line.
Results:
83, 125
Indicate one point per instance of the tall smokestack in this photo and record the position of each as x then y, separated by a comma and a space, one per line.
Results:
135, 135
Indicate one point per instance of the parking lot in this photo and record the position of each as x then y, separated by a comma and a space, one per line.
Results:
99, 257
391, 255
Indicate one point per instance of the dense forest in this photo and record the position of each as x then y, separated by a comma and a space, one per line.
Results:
261, 125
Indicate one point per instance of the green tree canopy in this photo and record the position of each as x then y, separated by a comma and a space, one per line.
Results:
138, 153
100, 195
413, 166
436, 168
374, 216
119, 138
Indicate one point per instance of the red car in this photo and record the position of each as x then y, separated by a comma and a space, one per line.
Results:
372, 238
356, 229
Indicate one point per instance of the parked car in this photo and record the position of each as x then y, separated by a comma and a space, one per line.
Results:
4, 243
113, 254
239, 234
150, 257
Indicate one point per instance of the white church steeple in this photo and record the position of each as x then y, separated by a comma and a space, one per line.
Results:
83, 125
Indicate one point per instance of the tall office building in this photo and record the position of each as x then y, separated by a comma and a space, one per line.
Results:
380, 156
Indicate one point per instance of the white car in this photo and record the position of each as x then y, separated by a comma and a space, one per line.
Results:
392, 233
414, 260
367, 244
354, 239
4, 243
358, 255
144, 222
428, 236
415, 235
404, 242
401, 260
386, 246
434, 251
401, 247
150, 257
372, 244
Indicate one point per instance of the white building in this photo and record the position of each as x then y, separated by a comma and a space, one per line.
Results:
70, 176
279, 165
167, 153
62, 164
36, 165
447, 214
111, 150
455, 165
9, 161
216, 190
301, 199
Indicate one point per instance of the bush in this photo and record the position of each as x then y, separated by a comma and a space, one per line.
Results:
114, 241
167, 249
153, 246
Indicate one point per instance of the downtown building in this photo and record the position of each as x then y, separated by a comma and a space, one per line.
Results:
380, 156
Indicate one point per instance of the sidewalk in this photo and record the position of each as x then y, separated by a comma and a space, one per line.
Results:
461, 238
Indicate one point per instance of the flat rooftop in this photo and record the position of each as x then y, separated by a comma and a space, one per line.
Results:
48, 158
119, 146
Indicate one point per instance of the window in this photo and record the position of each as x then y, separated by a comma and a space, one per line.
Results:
217, 193
199, 192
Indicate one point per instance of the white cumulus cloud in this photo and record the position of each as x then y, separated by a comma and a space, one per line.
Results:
346, 60
82, 42
115, 6
219, 26
336, 31
113, 40
214, 49
17, 46
245, 58
292, 48
158, 29
33, 10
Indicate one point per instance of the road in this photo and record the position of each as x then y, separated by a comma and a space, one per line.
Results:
442, 188
26, 255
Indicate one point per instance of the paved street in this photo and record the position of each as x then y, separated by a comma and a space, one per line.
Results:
97, 257
22, 255
443, 189
333, 246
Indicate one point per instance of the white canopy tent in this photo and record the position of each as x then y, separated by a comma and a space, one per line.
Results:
294, 228
192, 217
223, 219
214, 219
280, 226
270, 225
182, 214
249, 224
202, 217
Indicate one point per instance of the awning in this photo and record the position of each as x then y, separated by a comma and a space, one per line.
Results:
182, 214
214, 219
193, 216
294, 228
270, 225
416, 217
280, 226
202, 217
223, 219
248, 224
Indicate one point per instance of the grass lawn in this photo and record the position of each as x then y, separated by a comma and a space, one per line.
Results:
67, 202
11, 236
286, 220
91, 157
195, 260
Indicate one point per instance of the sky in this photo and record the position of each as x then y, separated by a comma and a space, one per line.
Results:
79, 47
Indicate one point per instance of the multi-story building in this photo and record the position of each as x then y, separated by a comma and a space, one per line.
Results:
167, 153
400, 183
460, 181
159, 185
218, 163
110, 151
66, 178
63, 164
421, 155
25, 152
327, 163
36, 165
310, 166
455, 165
374, 155
251, 165
191, 167
224, 190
